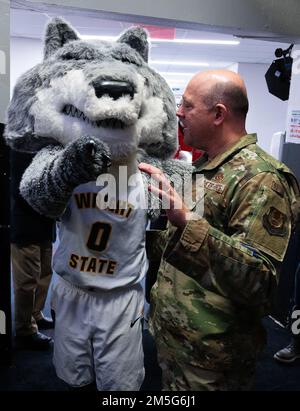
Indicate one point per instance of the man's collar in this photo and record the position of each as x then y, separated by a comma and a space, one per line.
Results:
203, 163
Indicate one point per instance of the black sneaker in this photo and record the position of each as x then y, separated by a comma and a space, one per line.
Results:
288, 354
36, 342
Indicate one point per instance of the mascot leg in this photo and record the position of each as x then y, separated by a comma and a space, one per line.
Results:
98, 336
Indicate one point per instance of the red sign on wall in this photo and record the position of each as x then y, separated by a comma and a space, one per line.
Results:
158, 32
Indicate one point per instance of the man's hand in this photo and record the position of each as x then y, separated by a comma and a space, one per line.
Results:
176, 210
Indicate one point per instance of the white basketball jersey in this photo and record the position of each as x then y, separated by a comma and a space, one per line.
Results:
103, 248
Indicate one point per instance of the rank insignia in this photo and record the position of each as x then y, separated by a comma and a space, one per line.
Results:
219, 177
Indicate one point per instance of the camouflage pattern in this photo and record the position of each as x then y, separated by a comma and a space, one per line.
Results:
217, 277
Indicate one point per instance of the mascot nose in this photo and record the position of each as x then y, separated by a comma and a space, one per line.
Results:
113, 88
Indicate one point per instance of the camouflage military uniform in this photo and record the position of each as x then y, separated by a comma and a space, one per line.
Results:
217, 276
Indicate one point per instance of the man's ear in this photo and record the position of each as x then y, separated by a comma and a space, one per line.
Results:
221, 112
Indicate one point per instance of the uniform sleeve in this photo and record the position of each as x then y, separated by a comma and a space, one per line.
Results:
242, 263
156, 241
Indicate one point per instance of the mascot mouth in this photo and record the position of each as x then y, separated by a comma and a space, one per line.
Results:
114, 123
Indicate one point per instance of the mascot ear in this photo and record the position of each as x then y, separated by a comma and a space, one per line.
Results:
136, 38
58, 33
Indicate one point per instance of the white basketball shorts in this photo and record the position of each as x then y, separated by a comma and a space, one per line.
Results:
98, 336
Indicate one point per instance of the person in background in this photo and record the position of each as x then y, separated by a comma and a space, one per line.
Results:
31, 255
292, 352
219, 268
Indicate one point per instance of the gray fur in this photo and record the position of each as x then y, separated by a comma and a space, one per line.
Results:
56, 103
136, 38
56, 171
58, 33
177, 171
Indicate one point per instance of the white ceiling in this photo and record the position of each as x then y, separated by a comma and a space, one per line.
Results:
31, 23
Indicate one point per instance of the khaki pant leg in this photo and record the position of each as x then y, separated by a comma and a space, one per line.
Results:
43, 280
26, 268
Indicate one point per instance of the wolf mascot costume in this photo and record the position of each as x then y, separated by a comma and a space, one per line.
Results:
87, 108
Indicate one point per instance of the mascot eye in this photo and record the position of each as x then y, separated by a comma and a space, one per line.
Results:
129, 61
69, 56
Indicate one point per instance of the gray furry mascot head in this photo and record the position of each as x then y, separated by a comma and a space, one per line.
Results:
106, 90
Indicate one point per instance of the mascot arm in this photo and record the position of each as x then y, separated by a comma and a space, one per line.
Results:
175, 170
48, 182
180, 173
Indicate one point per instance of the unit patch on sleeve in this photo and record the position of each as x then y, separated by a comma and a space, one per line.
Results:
274, 222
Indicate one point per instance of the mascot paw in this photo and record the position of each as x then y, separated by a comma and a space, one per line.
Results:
87, 158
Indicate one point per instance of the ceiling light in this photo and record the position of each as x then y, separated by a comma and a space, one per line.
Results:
198, 41
176, 81
186, 41
180, 63
107, 38
173, 73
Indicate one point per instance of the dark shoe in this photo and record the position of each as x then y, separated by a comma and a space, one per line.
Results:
86, 388
289, 353
45, 323
37, 341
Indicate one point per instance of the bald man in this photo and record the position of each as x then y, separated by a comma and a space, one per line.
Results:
219, 270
